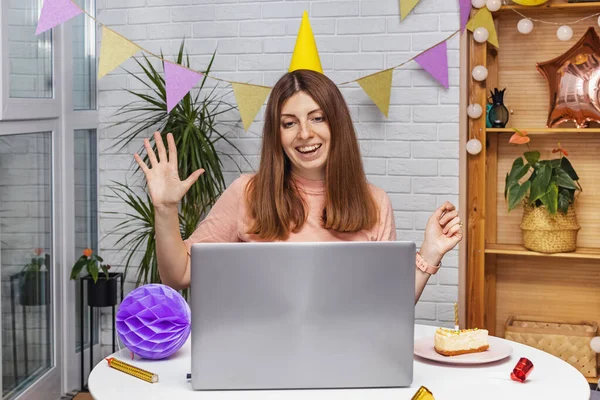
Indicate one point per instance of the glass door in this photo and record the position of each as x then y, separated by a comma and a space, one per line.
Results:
28, 261
48, 197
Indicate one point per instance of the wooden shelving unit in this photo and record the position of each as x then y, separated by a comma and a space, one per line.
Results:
503, 278
544, 130
552, 6
518, 250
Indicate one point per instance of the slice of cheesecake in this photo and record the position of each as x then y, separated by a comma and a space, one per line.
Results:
450, 342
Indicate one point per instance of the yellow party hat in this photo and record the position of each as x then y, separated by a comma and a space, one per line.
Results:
305, 54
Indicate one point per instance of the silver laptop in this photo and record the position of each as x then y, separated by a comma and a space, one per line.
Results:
302, 315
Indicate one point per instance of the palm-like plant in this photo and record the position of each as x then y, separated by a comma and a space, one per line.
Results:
196, 129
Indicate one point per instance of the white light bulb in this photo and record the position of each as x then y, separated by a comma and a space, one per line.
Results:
474, 111
525, 26
479, 73
595, 344
564, 33
474, 146
493, 5
478, 3
481, 34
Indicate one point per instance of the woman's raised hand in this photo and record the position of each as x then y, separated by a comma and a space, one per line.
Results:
442, 233
164, 185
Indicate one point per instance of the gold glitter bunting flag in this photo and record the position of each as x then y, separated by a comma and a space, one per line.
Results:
379, 88
249, 99
406, 7
484, 19
114, 51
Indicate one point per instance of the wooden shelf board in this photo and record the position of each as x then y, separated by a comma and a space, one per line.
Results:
516, 250
544, 130
591, 6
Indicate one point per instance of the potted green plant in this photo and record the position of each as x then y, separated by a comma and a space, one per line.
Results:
197, 127
102, 288
34, 282
548, 194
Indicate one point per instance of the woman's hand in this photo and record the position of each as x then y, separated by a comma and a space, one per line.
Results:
442, 234
164, 185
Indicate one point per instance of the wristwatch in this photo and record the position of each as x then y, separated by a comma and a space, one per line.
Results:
425, 267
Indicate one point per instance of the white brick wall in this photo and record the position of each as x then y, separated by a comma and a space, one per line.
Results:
413, 154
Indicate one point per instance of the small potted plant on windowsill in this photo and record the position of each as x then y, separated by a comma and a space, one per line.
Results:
549, 222
102, 288
34, 282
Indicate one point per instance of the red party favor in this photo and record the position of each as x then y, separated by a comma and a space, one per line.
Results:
521, 370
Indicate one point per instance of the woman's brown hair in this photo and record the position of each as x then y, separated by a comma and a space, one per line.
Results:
274, 203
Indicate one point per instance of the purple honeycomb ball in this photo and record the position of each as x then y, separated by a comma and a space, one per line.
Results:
153, 321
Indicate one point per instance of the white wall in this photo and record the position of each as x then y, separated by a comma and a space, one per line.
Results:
413, 154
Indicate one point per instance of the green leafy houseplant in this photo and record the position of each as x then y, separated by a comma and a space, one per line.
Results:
548, 194
34, 279
552, 183
93, 264
101, 288
196, 128
37, 263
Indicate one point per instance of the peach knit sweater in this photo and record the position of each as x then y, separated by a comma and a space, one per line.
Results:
228, 219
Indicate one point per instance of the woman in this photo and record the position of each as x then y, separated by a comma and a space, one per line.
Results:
310, 186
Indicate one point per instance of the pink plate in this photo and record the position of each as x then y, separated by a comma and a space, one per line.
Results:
498, 350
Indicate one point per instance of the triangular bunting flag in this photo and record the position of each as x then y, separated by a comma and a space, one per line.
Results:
435, 61
484, 18
115, 50
55, 12
465, 13
406, 7
178, 81
249, 99
306, 55
378, 87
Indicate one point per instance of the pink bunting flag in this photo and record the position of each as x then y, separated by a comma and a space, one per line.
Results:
435, 61
465, 13
179, 81
55, 12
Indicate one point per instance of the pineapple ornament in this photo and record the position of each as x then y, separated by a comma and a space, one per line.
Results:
498, 114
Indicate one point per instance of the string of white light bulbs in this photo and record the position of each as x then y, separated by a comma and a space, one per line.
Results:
525, 25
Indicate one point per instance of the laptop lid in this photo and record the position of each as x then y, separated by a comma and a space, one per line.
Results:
302, 315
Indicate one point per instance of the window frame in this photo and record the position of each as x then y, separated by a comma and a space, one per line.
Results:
29, 108
50, 382
28, 115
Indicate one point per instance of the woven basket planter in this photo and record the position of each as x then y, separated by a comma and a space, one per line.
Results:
547, 233
569, 341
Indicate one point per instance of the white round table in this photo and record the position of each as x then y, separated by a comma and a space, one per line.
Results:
551, 378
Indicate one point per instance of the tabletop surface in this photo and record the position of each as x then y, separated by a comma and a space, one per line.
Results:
551, 378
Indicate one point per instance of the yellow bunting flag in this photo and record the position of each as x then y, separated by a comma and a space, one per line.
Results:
306, 55
379, 87
249, 99
115, 50
406, 7
483, 18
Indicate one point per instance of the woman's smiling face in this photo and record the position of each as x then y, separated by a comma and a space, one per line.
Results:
305, 136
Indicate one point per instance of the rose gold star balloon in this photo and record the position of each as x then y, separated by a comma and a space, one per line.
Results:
574, 83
